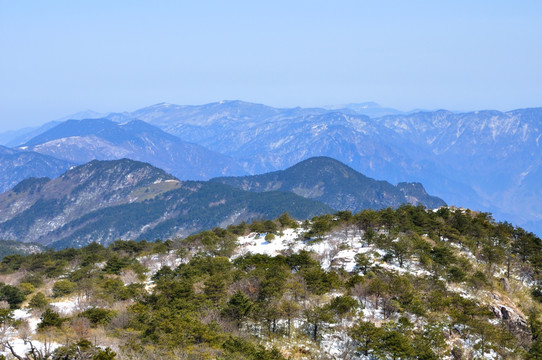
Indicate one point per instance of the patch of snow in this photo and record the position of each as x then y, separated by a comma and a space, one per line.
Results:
26, 314
21, 347
255, 243
67, 307
155, 262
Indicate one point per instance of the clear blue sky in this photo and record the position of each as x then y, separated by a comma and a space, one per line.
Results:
60, 57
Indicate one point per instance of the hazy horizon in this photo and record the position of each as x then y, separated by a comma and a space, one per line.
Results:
63, 57
63, 117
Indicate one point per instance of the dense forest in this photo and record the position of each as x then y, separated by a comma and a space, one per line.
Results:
406, 283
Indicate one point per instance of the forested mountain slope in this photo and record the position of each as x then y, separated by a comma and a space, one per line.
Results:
391, 284
124, 199
337, 185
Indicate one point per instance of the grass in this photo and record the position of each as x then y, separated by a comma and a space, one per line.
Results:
154, 190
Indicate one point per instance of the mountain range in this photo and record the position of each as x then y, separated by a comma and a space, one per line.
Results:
370, 109
16, 138
484, 160
125, 199
80, 141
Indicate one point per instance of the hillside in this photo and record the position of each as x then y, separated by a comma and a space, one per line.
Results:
336, 185
391, 284
10, 247
124, 199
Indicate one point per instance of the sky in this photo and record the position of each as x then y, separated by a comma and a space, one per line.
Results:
62, 57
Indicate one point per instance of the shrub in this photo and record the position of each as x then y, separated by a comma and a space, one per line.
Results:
456, 274
26, 288
38, 301
50, 318
12, 295
106, 354
98, 316
343, 305
478, 280
63, 287
35, 279
269, 237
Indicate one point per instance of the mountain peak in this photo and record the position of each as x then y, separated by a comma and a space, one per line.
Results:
321, 160
85, 114
335, 184
317, 166
72, 127
105, 171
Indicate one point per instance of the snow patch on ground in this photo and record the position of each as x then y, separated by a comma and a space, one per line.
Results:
19, 345
334, 251
28, 316
66, 307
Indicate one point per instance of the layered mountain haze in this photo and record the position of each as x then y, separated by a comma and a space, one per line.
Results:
483, 160
273, 140
16, 138
337, 185
80, 141
228, 127
263, 135
16, 166
370, 109
497, 154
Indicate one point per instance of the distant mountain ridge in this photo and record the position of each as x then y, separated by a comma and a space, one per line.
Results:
80, 141
337, 185
16, 166
370, 109
19, 137
125, 199
485, 160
